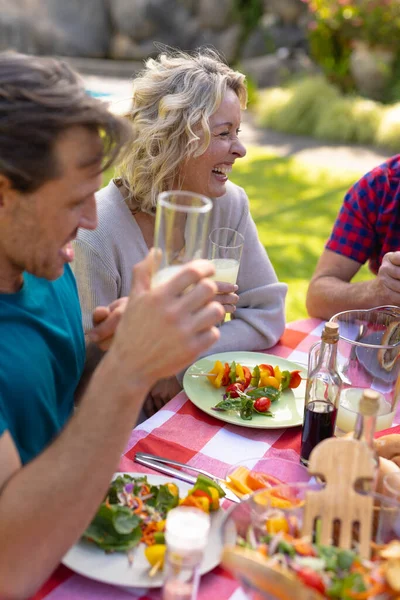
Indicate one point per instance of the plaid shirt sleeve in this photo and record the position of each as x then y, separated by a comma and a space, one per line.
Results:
353, 234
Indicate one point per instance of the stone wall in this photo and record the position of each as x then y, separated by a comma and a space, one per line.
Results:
136, 29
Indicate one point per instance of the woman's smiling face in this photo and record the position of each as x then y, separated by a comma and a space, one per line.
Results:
207, 174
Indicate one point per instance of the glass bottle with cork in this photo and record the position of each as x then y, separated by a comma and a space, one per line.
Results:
365, 428
186, 536
322, 392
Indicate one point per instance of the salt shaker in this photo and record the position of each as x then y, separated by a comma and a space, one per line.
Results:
186, 536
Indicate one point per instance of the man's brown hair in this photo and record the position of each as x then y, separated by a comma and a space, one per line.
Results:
39, 99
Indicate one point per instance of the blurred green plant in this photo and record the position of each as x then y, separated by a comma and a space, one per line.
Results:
248, 14
336, 24
313, 106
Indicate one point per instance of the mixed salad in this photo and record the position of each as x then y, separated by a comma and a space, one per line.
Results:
250, 392
134, 512
334, 573
331, 571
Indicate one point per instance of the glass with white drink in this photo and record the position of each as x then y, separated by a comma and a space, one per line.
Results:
225, 251
181, 228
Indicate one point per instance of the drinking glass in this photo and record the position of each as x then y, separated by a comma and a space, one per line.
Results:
225, 251
181, 228
366, 361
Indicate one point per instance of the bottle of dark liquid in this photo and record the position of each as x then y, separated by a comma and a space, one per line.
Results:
365, 429
322, 392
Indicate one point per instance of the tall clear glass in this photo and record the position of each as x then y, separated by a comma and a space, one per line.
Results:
181, 231
225, 251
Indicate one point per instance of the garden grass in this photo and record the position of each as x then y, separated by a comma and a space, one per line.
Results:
294, 206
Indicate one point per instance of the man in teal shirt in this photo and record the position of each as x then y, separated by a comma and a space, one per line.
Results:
42, 350
56, 463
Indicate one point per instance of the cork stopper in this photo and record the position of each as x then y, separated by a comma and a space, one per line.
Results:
330, 332
369, 403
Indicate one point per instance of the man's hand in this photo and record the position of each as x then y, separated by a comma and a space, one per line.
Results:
105, 322
226, 296
160, 394
165, 328
388, 279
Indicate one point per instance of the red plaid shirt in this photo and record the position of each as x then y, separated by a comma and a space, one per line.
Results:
368, 224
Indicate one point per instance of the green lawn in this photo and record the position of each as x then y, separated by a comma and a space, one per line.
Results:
294, 206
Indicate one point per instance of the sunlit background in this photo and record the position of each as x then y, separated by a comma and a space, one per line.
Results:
325, 70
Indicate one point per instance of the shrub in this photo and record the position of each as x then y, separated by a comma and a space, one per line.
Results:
388, 133
349, 120
336, 24
300, 105
315, 107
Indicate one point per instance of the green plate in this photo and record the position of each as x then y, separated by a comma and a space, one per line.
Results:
287, 411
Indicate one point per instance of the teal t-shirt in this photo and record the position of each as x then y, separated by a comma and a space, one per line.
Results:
42, 354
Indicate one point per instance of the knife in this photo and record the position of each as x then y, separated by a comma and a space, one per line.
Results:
167, 470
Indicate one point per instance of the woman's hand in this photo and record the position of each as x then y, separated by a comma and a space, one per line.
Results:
226, 296
105, 322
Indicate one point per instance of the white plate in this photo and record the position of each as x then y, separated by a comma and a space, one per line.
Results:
87, 559
288, 411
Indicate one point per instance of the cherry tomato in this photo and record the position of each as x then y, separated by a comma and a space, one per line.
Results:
234, 389
262, 404
295, 379
311, 579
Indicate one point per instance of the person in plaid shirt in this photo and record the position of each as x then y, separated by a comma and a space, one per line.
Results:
367, 229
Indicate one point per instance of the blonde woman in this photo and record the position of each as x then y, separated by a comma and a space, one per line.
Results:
186, 117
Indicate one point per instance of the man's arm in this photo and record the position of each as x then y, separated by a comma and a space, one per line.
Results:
331, 290
46, 505
98, 340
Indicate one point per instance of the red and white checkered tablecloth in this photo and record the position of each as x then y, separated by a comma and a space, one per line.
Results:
181, 431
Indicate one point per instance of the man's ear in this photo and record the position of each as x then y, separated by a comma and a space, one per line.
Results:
6, 188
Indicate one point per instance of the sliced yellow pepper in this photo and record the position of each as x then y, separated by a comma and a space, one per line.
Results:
215, 498
267, 380
155, 554
277, 524
160, 525
173, 489
278, 374
239, 373
218, 370
237, 480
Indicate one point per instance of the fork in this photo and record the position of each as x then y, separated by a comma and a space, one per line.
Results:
165, 465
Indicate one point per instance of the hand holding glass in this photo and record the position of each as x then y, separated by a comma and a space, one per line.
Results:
181, 227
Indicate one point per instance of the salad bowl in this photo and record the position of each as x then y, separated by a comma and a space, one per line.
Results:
264, 549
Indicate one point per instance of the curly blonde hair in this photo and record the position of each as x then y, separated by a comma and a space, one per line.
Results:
174, 94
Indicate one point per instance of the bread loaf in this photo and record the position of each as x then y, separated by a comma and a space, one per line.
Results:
388, 446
